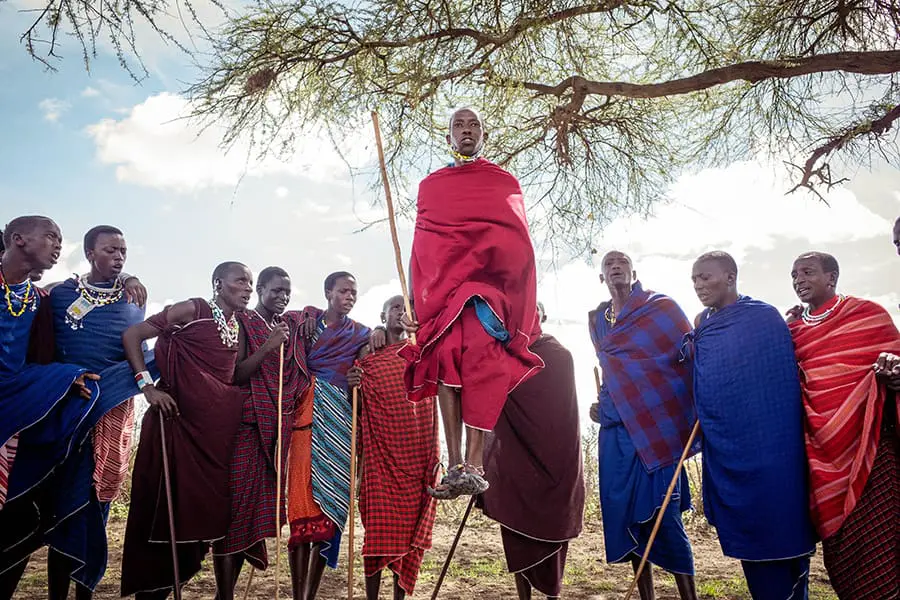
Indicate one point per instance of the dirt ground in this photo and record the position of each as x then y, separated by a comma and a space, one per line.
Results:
478, 569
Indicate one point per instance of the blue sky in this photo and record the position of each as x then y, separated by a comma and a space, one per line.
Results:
91, 148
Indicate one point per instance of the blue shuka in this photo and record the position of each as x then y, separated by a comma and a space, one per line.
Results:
95, 344
642, 361
329, 358
747, 393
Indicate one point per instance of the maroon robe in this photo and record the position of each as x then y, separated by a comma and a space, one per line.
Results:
533, 461
196, 369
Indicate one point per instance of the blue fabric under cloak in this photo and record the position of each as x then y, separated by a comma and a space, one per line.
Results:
78, 529
747, 392
35, 399
630, 496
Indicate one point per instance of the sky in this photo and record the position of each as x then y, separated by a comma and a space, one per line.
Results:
97, 148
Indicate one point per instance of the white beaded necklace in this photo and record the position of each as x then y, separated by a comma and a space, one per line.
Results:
228, 329
813, 320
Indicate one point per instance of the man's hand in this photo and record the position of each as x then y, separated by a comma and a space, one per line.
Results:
162, 401
794, 313
135, 292
887, 365
410, 325
279, 335
309, 326
80, 385
595, 412
377, 339
354, 376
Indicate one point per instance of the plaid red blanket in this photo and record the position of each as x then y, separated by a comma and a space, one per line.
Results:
399, 459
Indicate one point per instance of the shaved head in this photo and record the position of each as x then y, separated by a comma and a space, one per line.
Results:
725, 260
23, 226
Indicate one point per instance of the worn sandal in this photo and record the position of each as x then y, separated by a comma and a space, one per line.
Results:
461, 480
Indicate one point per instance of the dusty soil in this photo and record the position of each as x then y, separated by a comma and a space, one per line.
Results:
478, 569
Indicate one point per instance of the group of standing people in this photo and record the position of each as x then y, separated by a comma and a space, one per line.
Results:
797, 417
798, 421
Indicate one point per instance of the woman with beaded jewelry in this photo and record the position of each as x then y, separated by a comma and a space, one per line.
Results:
852, 446
196, 350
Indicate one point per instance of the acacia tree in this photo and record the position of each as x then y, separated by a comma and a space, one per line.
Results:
596, 105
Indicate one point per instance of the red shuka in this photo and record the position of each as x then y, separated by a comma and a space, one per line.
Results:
471, 239
843, 401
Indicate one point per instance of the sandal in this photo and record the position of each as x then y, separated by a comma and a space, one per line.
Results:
461, 480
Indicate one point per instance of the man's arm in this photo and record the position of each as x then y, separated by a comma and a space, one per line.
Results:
247, 366
132, 341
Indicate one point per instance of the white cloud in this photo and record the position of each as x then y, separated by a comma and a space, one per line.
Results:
157, 145
90, 92
53, 108
281, 192
740, 207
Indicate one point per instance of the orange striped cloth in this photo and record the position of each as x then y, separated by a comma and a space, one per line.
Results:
113, 436
843, 401
7, 456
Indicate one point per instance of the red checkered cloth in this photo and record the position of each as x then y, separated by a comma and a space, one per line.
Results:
863, 557
399, 459
253, 484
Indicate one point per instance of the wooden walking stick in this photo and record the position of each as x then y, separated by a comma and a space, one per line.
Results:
168, 483
278, 461
597, 381
446, 567
352, 516
390, 208
662, 510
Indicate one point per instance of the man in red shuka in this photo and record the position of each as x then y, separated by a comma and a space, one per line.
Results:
473, 281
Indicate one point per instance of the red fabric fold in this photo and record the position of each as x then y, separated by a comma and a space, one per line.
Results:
843, 401
471, 239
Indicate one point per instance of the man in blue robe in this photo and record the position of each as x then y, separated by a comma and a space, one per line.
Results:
42, 407
646, 413
747, 394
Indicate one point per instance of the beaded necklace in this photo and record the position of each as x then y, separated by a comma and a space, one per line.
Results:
813, 320
228, 329
94, 296
26, 300
609, 315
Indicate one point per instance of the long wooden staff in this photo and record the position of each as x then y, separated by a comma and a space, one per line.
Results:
278, 460
446, 567
390, 208
351, 515
168, 483
662, 510
597, 381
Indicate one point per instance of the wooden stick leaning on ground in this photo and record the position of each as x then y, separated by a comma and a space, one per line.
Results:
392, 220
662, 509
278, 462
446, 567
176, 589
351, 516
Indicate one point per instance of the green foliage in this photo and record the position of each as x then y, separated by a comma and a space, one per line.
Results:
597, 106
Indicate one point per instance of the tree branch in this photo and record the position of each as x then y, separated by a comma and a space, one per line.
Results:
863, 63
822, 173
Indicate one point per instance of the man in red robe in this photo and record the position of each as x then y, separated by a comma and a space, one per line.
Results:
843, 346
474, 286
399, 459
196, 351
